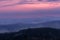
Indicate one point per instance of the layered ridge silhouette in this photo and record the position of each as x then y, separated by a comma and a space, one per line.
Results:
33, 34
20, 26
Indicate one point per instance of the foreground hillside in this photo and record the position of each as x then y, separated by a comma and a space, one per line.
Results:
33, 34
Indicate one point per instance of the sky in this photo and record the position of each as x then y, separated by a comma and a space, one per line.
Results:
28, 11
29, 8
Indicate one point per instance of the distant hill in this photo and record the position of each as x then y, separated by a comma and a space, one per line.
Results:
33, 34
20, 26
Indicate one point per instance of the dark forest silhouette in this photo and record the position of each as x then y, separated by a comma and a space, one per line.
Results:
32, 34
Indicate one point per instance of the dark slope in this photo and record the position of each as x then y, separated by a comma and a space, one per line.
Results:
33, 34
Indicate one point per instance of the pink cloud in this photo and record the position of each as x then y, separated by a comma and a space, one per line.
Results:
27, 8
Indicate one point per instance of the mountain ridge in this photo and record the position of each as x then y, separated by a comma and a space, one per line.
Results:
33, 34
21, 26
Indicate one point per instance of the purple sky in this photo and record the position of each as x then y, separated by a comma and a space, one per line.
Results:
29, 9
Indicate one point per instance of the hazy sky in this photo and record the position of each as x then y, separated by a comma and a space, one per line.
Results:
29, 9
